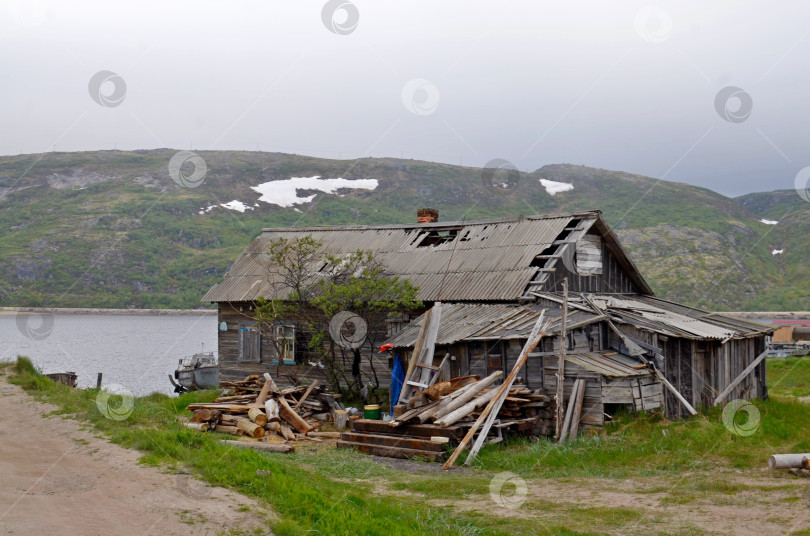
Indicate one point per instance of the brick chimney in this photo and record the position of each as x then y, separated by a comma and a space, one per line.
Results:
427, 215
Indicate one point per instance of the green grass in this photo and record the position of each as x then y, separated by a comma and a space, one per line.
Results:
329, 491
789, 376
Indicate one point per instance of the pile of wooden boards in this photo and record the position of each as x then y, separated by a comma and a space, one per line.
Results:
264, 416
461, 400
378, 438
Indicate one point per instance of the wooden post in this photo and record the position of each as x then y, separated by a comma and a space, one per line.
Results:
561, 365
98, 381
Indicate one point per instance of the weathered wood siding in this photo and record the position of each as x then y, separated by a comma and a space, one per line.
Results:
238, 315
613, 279
592, 407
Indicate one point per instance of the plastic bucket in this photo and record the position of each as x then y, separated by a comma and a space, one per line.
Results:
372, 412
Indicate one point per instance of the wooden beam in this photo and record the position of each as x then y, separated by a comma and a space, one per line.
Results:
577, 411
306, 394
561, 365
748, 370
562, 431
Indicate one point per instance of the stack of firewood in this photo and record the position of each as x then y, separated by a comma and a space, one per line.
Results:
461, 400
260, 412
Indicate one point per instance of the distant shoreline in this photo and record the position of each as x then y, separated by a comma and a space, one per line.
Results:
8, 311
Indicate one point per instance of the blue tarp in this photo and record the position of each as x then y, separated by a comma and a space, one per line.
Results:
397, 379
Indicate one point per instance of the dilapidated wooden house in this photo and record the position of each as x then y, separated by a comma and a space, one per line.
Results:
495, 276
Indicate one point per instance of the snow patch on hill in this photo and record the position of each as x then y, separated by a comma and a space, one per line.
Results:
284, 193
768, 222
554, 187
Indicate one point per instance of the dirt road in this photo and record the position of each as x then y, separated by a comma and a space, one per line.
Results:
56, 478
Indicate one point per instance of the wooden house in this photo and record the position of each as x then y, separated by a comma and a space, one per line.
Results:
490, 271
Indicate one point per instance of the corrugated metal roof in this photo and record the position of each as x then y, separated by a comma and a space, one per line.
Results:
617, 366
670, 318
488, 322
479, 261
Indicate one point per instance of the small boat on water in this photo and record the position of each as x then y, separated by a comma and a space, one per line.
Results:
199, 371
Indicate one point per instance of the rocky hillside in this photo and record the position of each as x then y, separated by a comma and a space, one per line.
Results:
113, 229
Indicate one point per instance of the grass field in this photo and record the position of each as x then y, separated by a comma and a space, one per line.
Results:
639, 476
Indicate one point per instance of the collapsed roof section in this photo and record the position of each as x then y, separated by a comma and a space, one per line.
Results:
472, 322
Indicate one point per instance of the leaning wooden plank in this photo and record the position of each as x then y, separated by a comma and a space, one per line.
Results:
469, 394
271, 447
560, 395
424, 356
289, 415
417, 349
306, 393
575, 418
569, 413
786, 461
487, 417
675, 392
748, 370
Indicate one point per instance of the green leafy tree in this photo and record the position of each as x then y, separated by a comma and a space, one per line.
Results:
310, 288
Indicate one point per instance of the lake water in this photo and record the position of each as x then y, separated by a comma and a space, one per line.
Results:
134, 351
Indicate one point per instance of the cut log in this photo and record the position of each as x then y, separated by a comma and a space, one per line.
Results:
225, 429
201, 415
341, 419
271, 410
250, 428
256, 415
469, 393
271, 447
294, 420
199, 426
786, 461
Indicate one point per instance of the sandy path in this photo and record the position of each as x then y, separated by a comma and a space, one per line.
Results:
56, 478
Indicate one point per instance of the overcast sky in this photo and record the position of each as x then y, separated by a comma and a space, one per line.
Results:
616, 85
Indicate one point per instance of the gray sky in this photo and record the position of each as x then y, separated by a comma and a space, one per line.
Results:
617, 85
